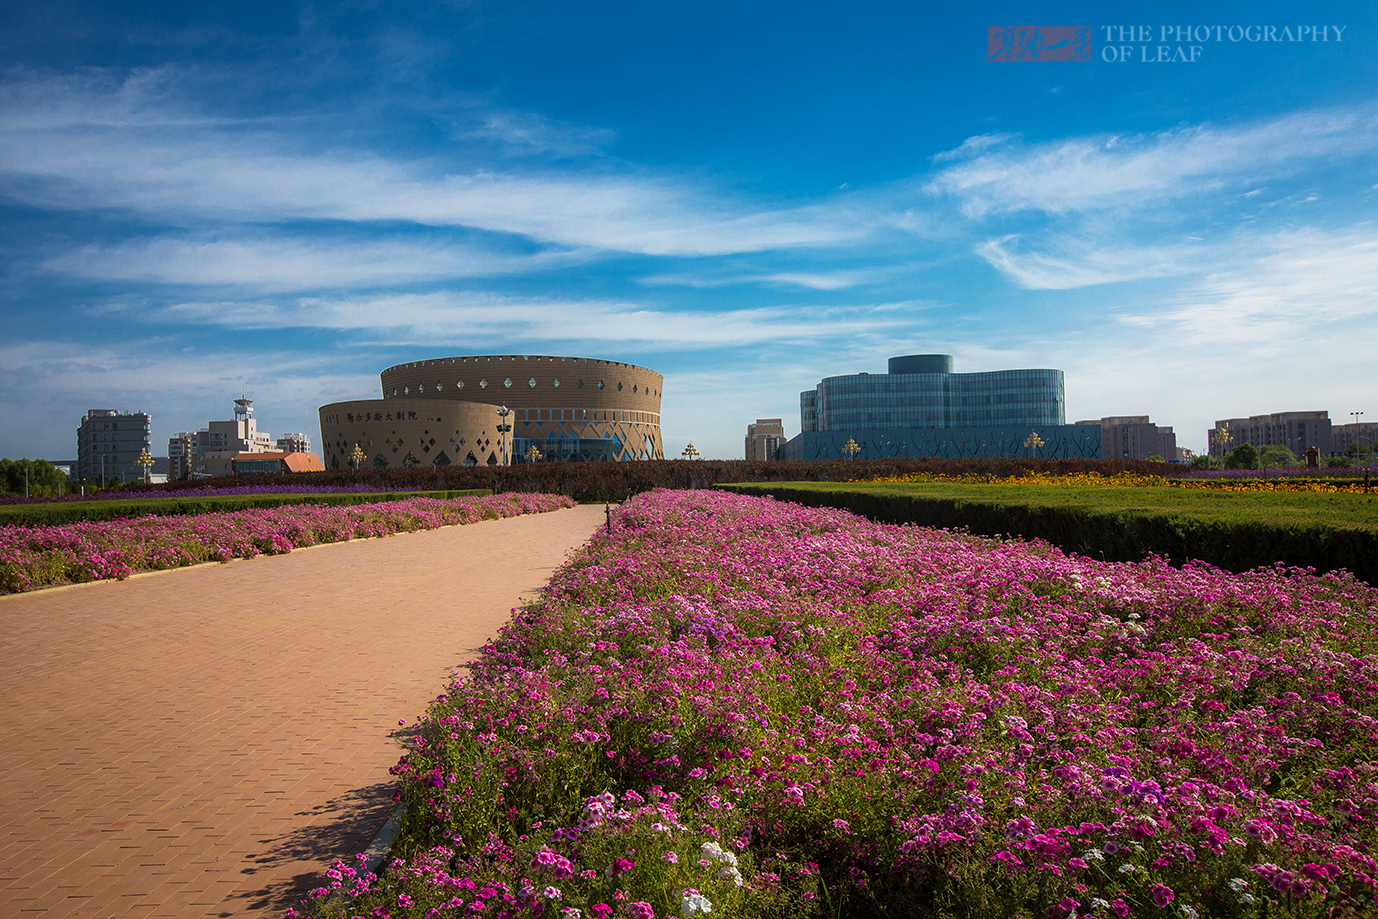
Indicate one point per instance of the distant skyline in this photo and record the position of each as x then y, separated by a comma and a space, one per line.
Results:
284, 199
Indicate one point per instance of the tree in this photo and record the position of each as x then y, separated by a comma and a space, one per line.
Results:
44, 477
1275, 456
1155, 458
1201, 462
1244, 456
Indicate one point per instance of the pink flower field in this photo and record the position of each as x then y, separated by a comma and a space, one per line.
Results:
743, 708
33, 557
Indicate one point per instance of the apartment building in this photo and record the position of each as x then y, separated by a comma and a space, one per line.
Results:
109, 443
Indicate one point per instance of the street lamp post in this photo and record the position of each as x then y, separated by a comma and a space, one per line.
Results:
690, 452
532, 454
1033, 442
851, 448
145, 461
503, 428
1221, 437
357, 456
1358, 440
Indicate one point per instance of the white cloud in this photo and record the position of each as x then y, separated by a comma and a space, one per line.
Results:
286, 263
1281, 288
1078, 263
459, 316
81, 145
1107, 172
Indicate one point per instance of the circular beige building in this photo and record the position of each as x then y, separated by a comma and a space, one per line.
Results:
450, 411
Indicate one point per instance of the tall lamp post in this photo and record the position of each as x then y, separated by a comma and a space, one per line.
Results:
690, 452
1358, 440
533, 455
503, 428
1221, 437
145, 461
1033, 442
357, 456
851, 448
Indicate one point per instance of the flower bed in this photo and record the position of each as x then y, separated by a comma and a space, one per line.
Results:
743, 706
41, 556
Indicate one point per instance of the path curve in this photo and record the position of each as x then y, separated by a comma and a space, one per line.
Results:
203, 742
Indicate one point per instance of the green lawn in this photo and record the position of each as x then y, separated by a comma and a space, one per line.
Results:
1233, 530
1300, 508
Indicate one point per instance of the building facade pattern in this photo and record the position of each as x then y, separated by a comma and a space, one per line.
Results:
448, 410
920, 391
109, 443
920, 407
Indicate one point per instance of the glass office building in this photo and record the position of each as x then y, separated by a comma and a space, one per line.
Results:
921, 391
922, 408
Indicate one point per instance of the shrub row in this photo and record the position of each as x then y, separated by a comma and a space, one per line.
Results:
1115, 536
616, 481
153, 505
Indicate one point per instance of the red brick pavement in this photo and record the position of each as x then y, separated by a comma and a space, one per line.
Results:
203, 742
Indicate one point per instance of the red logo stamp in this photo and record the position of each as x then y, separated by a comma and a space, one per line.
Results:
1038, 43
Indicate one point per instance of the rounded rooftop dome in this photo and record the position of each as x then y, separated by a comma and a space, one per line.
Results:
921, 363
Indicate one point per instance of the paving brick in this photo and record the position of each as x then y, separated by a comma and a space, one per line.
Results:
200, 742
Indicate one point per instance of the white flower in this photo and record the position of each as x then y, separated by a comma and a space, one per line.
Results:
1188, 911
1125, 868
712, 850
694, 902
730, 873
1093, 855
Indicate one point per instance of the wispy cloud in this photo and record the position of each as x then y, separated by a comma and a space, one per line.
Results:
1300, 285
122, 145
279, 263
1073, 263
458, 316
1114, 171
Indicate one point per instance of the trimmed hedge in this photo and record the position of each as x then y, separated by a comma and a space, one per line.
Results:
175, 506
1116, 536
616, 481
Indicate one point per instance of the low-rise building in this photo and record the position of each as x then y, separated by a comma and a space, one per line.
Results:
293, 443
1297, 431
764, 438
219, 442
1364, 435
181, 456
275, 461
1135, 437
109, 444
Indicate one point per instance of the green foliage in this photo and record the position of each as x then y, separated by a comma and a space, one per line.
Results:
1155, 458
44, 478
1201, 462
1276, 456
1244, 456
1236, 531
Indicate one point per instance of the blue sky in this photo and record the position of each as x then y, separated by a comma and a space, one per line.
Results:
287, 198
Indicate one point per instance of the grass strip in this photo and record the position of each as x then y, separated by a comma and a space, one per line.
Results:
127, 508
1236, 531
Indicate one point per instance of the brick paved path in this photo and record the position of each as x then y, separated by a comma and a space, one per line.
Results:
203, 742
